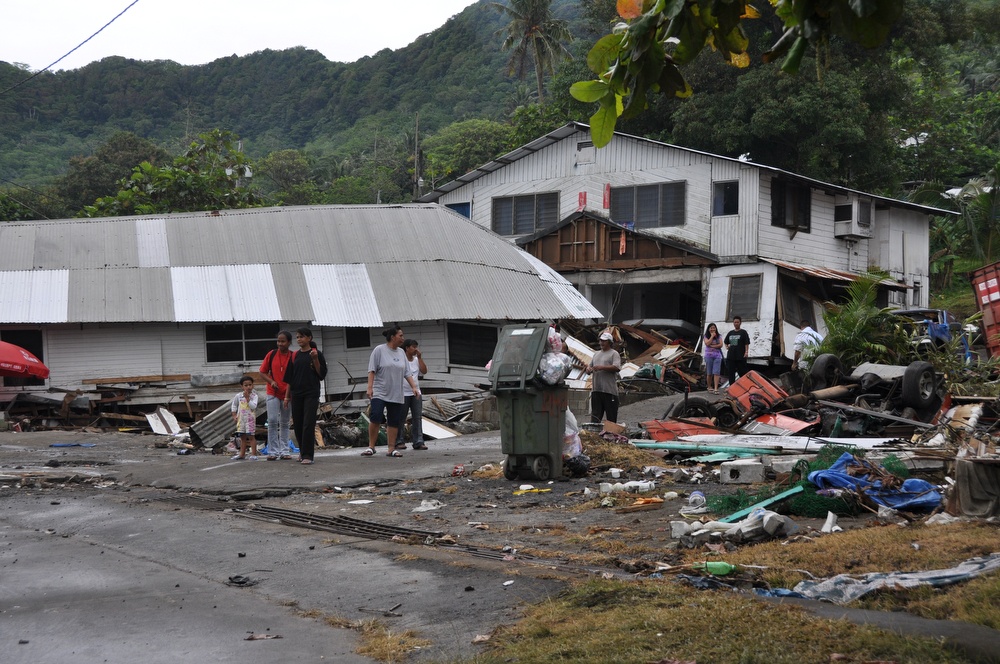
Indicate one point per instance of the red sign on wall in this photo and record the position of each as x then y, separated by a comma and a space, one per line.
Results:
607, 196
581, 200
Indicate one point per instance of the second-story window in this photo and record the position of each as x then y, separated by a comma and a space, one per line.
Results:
523, 215
791, 205
650, 205
725, 198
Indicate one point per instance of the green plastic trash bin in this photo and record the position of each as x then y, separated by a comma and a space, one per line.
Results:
532, 413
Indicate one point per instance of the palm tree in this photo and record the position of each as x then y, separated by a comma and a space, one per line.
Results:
533, 34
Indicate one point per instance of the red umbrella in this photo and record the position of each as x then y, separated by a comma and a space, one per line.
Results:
19, 363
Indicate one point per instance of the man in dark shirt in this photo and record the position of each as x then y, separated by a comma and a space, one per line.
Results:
737, 345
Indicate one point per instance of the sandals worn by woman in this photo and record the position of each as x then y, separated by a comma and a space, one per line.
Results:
306, 462
394, 453
368, 452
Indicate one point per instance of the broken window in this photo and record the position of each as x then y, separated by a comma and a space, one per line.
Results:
523, 215
239, 342
649, 206
471, 345
796, 305
791, 205
744, 297
725, 198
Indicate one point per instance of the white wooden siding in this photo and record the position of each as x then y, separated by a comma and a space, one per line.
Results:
817, 247
761, 331
739, 238
622, 163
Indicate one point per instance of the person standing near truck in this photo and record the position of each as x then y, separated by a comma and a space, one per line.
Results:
805, 345
737, 349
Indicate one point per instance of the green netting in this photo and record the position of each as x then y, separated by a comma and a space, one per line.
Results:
807, 503
894, 465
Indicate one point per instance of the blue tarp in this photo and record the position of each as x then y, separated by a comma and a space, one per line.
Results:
913, 496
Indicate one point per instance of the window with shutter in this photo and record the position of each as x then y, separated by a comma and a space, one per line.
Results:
649, 206
523, 215
744, 297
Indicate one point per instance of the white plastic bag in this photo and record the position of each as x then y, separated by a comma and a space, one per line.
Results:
554, 342
554, 367
572, 446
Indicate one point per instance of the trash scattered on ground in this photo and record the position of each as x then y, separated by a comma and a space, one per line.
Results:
262, 637
845, 588
428, 505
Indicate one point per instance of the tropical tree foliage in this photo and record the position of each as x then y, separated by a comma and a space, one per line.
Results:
644, 53
211, 175
92, 177
534, 35
860, 331
462, 146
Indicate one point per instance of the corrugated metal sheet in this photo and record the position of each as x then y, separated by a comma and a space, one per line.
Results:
17, 246
827, 273
224, 293
34, 297
366, 265
151, 242
341, 296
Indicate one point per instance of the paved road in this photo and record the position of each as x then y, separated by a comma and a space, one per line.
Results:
117, 575
109, 572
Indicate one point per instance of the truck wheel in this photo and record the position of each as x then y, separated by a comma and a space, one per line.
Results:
919, 385
508, 472
825, 371
726, 415
694, 407
541, 467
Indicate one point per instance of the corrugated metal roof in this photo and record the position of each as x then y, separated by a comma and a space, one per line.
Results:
332, 265
829, 273
572, 128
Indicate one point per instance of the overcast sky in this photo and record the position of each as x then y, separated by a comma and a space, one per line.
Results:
193, 32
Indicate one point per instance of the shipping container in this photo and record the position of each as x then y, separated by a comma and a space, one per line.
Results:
986, 284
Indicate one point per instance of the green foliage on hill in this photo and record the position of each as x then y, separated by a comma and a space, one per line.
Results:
924, 107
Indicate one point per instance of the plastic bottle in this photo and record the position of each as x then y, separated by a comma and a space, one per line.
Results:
715, 567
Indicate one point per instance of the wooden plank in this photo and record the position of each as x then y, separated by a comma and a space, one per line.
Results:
639, 508
138, 379
123, 416
436, 430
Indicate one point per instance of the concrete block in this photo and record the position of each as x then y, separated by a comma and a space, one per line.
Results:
785, 463
741, 471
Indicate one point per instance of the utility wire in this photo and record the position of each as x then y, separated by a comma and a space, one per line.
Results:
39, 72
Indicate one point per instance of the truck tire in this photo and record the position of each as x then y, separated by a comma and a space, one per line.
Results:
919, 385
825, 371
694, 407
725, 415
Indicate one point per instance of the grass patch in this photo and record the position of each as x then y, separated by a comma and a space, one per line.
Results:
614, 621
384, 645
889, 548
620, 455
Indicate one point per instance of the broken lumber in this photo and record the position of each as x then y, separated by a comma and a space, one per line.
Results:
138, 379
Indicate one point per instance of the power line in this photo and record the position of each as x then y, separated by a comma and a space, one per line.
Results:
39, 72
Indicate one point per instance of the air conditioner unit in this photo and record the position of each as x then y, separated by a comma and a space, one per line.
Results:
852, 219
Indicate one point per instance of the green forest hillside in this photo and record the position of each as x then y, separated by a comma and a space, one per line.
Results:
272, 99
